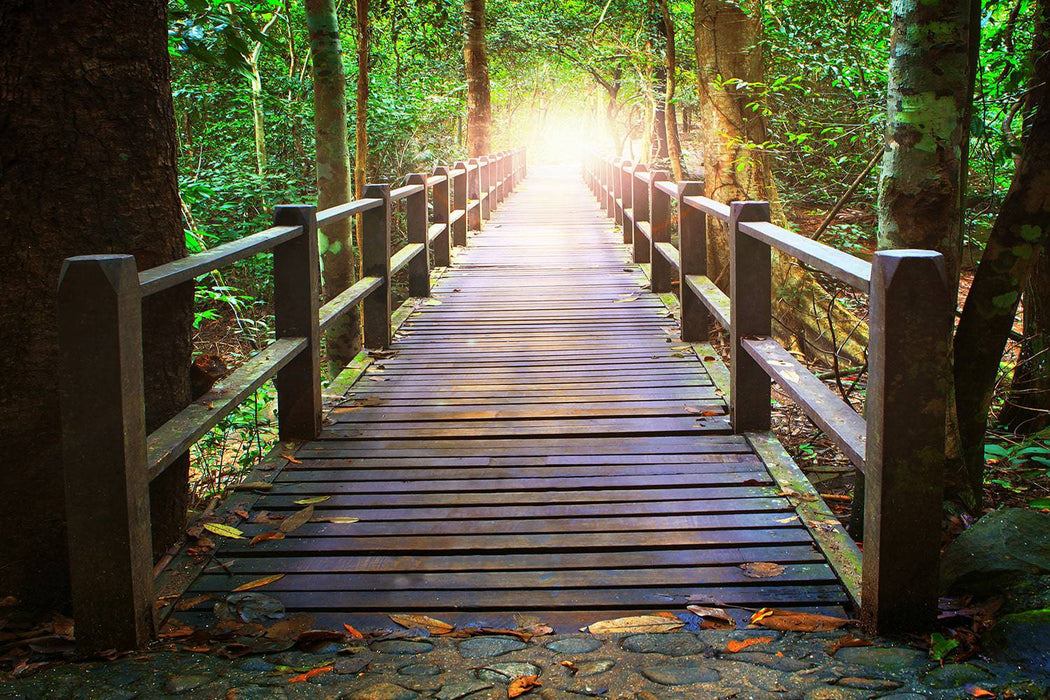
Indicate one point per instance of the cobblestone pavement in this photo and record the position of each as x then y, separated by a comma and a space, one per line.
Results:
679, 664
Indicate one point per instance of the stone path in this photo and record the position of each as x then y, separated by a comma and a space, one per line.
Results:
680, 664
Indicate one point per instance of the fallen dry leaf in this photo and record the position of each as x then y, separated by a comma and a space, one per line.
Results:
762, 569
977, 691
290, 627
354, 634
175, 630
791, 621
266, 537
297, 520
847, 640
291, 459
431, 625
736, 645
337, 519
712, 618
522, 685
258, 583
310, 674
224, 530
312, 500
637, 623
190, 603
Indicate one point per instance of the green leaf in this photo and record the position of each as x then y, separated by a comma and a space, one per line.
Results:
941, 646
1040, 504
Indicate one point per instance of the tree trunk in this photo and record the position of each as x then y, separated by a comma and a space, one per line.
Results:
920, 192
364, 48
1017, 241
338, 259
735, 170
476, 62
1027, 408
87, 131
674, 144
255, 84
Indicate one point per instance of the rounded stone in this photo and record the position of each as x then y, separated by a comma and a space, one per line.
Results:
871, 684
956, 676
1023, 639
256, 665
891, 659
777, 663
680, 673
403, 647
593, 668
419, 670
483, 647
574, 645
506, 672
384, 691
464, 689
670, 644
183, 684
829, 693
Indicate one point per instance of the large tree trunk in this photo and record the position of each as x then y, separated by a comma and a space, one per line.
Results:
674, 144
1017, 241
338, 259
364, 48
728, 45
87, 133
476, 62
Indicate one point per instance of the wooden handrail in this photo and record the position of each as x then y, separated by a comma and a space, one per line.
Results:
899, 441
109, 458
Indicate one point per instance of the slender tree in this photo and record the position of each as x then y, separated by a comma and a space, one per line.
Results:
87, 132
476, 62
674, 143
1015, 246
338, 259
364, 42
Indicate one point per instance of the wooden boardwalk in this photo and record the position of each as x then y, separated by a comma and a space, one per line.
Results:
538, 441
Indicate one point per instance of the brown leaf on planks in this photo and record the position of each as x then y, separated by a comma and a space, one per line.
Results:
712, 618
291, 459
736, 645
190, 603
637, 624
297, 520
762, 569
312, 500
290, 627
522, 685
411, 621
336, 519
847, 640
258, 583
266, 537
224, 530
791, 621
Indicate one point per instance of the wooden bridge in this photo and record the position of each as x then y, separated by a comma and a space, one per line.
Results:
547, 433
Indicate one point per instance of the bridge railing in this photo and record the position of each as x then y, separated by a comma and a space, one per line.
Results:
109, 459
898, 446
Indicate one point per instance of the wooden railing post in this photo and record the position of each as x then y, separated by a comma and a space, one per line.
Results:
474, 195
640, 210
104, 451
485, 188
417, 225
610, 188
618, 196
910, 320
442, 209
751, 315
662, 271
692, 247
375, 262
501, 177
626, 192
460, 194
296, 287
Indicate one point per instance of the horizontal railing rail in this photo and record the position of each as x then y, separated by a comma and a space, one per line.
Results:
898, 445
110, 460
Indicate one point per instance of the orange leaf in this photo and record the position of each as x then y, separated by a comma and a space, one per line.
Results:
739, 645
979, 692
291, 459
522, 685
258, 583
791, 621
310, 674
265, 537
354, 634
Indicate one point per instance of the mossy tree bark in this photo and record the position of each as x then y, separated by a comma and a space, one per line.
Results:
1016, 245
674, 143
476, 64
338, 258
728, 51
1027, 408
364, 47
87, 132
